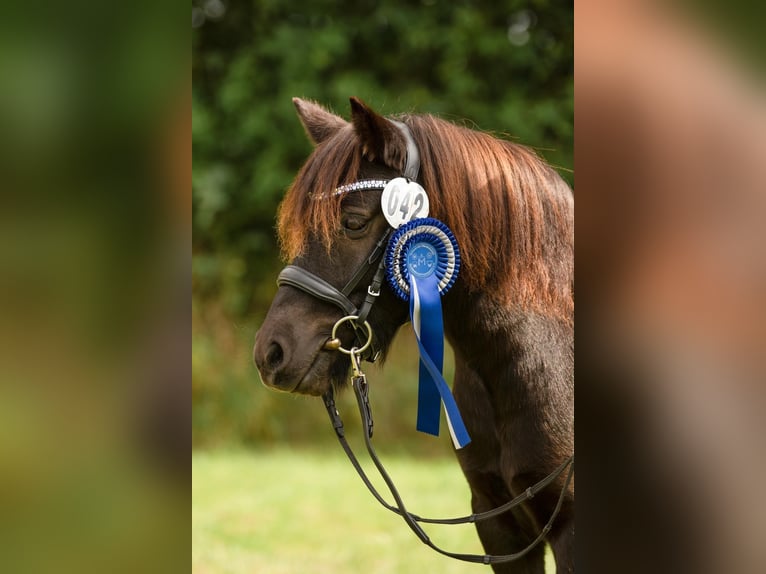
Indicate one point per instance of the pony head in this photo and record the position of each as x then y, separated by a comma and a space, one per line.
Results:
512, 216
330, 235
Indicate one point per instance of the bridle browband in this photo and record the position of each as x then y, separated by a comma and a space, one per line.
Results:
367, 348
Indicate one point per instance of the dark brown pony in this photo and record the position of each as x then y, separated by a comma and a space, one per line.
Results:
508, 318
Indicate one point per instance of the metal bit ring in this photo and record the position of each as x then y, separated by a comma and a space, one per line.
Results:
356, 350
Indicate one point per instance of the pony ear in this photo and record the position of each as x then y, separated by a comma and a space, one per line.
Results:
381, 140
319, 123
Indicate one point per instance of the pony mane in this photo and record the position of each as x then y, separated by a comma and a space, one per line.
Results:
512, 214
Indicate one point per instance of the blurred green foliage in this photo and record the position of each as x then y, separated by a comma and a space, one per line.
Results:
504, 67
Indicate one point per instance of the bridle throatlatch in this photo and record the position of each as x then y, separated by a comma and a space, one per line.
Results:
420, 259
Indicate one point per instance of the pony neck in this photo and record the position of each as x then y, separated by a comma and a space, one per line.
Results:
475, 323
488, 335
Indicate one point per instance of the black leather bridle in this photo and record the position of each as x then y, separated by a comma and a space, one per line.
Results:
367, 348
315, 286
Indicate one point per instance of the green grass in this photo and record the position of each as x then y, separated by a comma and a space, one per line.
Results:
284, 512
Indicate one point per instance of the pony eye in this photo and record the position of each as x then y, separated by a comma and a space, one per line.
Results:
354, 223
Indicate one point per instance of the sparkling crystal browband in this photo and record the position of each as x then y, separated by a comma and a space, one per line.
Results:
362, 185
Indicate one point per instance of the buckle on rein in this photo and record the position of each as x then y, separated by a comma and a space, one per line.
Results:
358, 378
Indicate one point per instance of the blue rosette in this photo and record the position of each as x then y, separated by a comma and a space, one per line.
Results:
437, 246
422, 264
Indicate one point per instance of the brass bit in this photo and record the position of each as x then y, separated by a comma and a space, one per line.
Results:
332, 344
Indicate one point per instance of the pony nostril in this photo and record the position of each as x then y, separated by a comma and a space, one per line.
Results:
274, 356
271, 356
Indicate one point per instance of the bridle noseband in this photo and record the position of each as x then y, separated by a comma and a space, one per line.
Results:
315, 286
367, 348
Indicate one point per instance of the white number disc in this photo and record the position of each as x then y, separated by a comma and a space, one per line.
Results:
403, 201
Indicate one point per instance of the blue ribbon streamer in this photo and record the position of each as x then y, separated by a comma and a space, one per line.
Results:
426, 315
